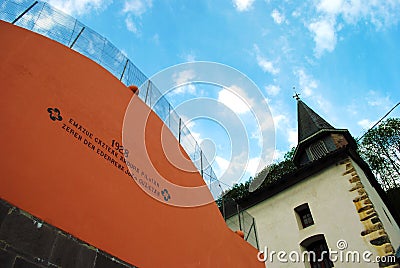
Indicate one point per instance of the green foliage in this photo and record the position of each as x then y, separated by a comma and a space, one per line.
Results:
380, 147
274, 172
289, 155
238, 191
270, 174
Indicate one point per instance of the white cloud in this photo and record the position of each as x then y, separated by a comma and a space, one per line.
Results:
292, 138
324, 36
284, 124
130, 25
306, 82
189, 56
183, 77
279, 155
45, 22
325, 106
277, 16
330, 6
79, 7
238, 169
183, 89
330, 13
137, 7
253, 166
272, 90
279, 120
278, 115
365, 123
182, 82
266, 65
308, 86
376, 99
296, 13
232, 99
243, 5
381, 13
222, 166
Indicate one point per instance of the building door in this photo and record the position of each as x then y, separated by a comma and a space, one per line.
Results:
320, 256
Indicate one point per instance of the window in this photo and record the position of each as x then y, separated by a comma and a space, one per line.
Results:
318, 150
304, 215
318, 251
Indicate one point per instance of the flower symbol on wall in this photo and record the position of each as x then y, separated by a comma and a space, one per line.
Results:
55, 114
166, 195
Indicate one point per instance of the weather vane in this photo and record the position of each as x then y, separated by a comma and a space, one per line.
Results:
296, 95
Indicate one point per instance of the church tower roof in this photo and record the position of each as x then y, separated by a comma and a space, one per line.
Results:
309, 122
317, 138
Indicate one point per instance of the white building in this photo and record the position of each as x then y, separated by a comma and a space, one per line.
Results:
332, 201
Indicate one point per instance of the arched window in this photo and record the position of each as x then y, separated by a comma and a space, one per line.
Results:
317, 251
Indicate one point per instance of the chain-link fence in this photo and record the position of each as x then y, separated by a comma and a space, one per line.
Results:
238, 219
42, 18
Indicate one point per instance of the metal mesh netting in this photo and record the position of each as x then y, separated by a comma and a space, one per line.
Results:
238, 219
42, 18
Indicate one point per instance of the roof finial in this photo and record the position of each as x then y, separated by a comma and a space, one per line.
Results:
296, 95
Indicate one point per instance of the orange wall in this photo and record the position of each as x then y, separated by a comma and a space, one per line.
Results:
54, 175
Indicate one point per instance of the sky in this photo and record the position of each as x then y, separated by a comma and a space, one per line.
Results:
340, 55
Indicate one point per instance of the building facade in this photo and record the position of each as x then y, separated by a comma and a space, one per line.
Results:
330, 212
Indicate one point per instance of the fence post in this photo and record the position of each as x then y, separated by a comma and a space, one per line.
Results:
23, 13
147, 92
179, 130
76, 38
255, 233
238, 212
251, 226
169, 115
126, 64
201, 163
223, 207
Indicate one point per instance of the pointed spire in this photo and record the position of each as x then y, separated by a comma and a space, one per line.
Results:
309, 122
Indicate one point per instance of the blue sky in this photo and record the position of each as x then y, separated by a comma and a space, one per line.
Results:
341, 55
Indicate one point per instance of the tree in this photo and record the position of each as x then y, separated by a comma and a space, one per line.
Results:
269, 174
380, 147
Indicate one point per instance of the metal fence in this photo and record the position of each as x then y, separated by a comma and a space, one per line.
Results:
238, 219
42, 18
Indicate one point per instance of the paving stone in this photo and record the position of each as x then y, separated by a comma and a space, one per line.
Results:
68, 252
24, 236
21, 263
6, 259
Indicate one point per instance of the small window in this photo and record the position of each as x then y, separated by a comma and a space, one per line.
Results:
318, 150
304, 215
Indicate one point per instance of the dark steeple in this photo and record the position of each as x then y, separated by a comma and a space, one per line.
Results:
309, 122
317, 138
